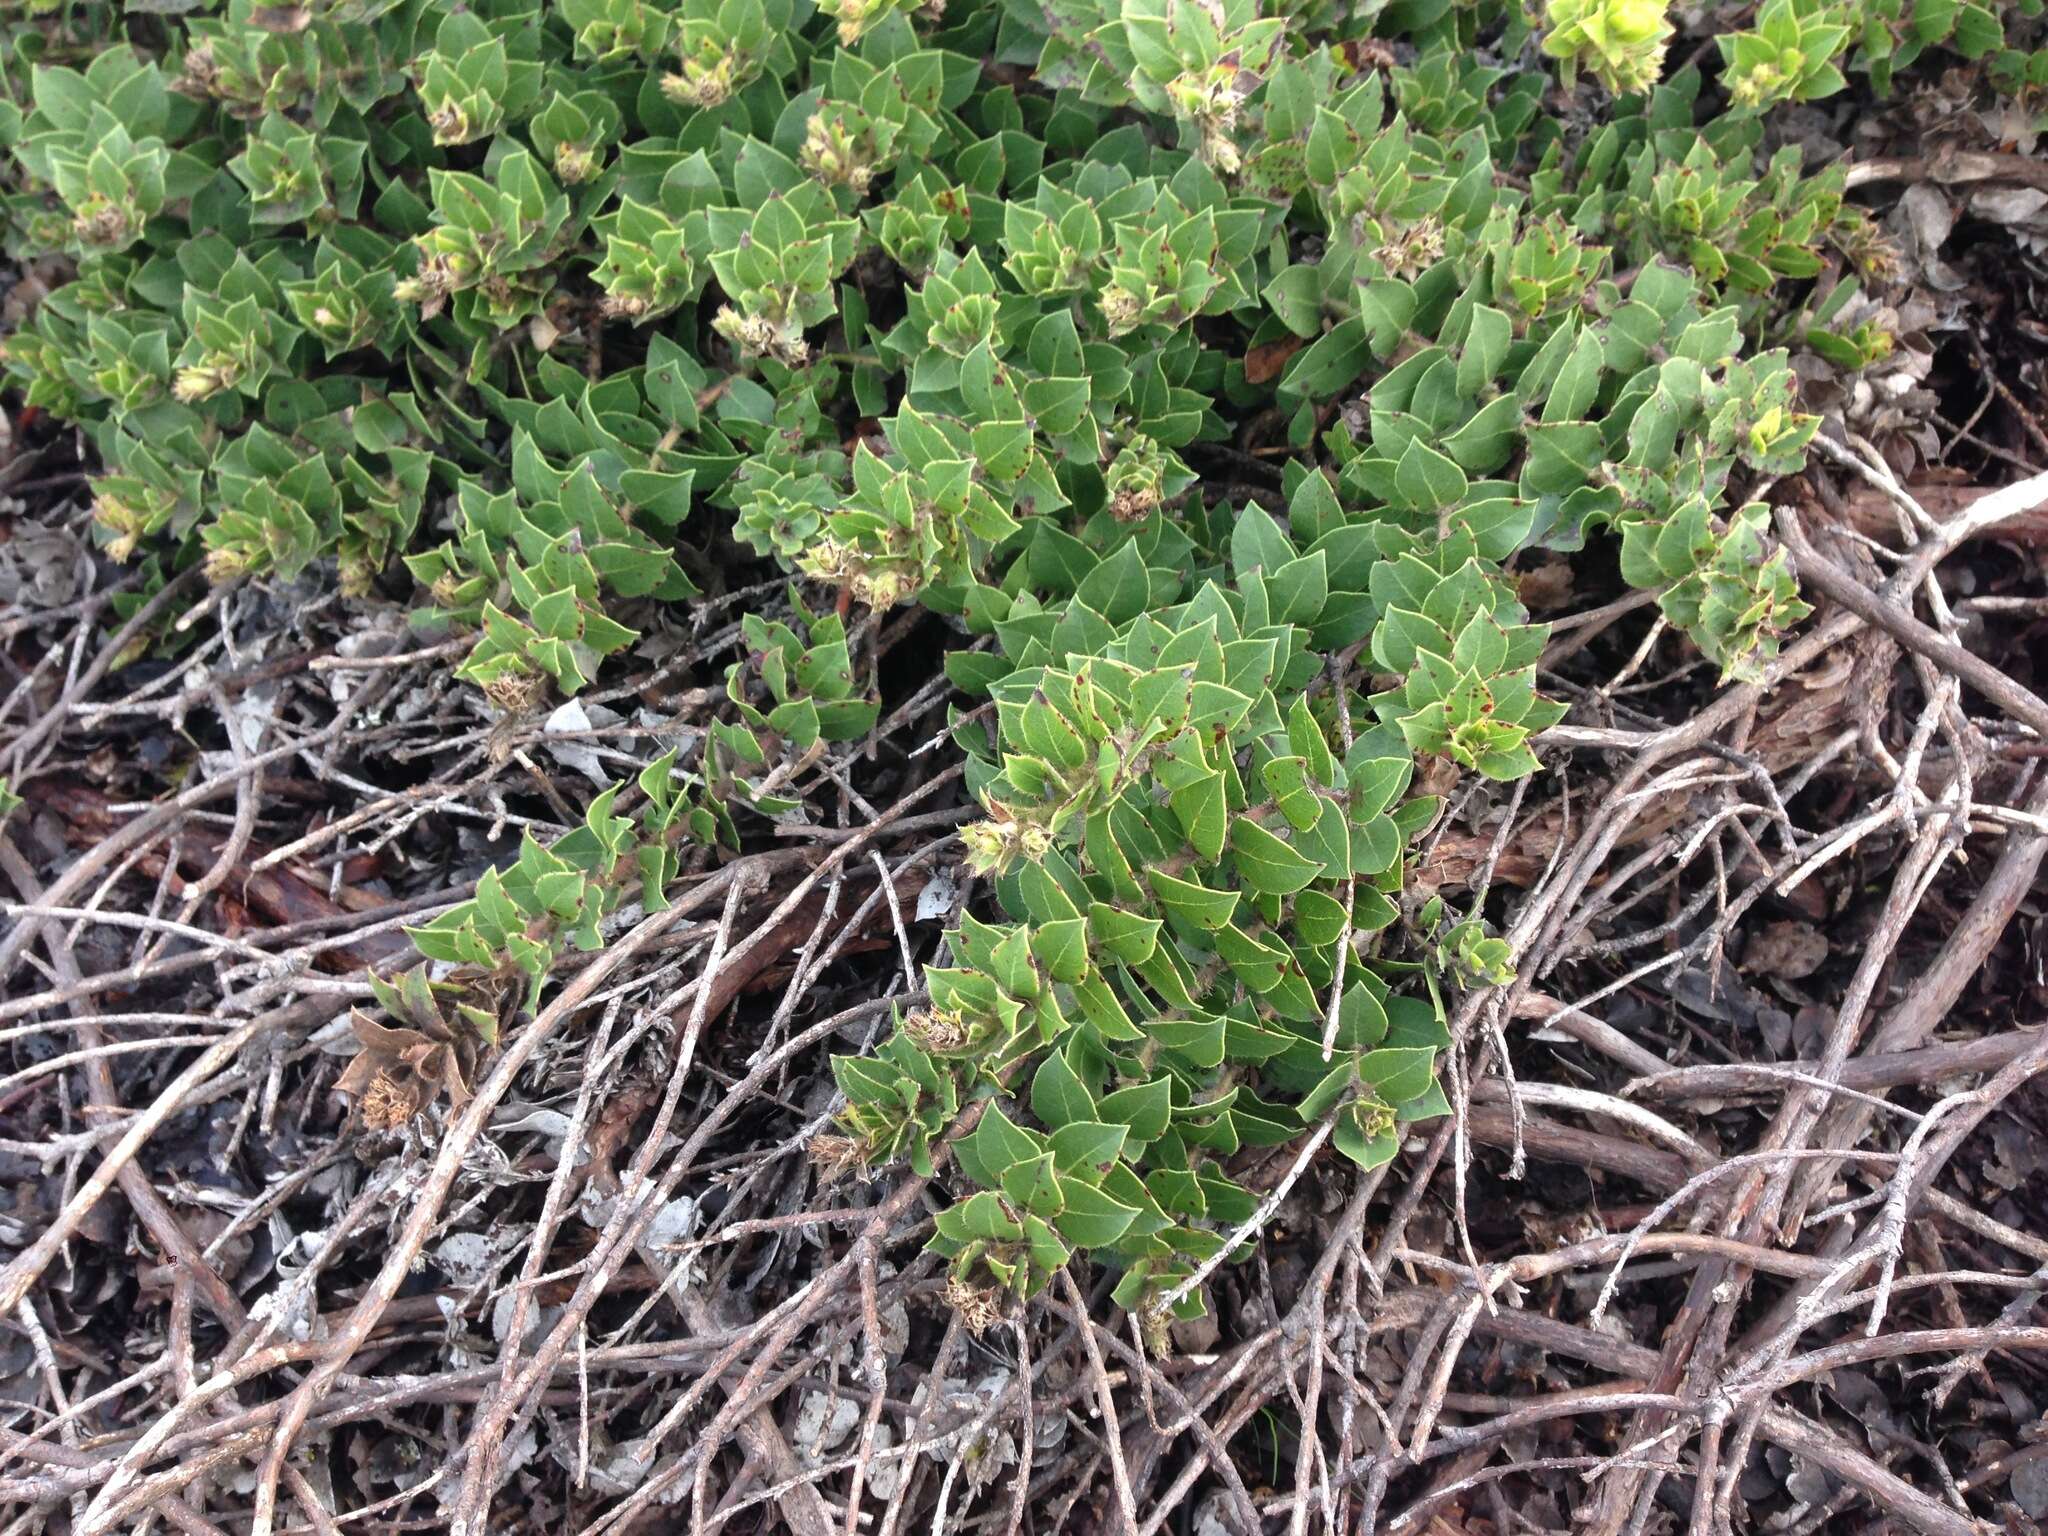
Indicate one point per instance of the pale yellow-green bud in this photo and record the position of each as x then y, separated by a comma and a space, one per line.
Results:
855, 17
574, 163
1754, 87
429, 287
1136, 480
759, 336
450, 123
881, 589
1632, 23
699, 84
835, 156
225, 562
1374, 1118
1413, 251
357, 574
1620, 42
123, 522
103, 224
204, 380
1121, 309
989, 846
938, 1031
1158, 1326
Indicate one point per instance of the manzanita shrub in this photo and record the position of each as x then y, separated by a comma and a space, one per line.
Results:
529, 313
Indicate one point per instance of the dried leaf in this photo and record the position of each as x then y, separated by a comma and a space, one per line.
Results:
1788, 950
1262, 364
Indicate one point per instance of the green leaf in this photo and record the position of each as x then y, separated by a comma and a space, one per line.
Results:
1426, 480
1089, 1218
1200, 1039
1098, 1003
1010, 964
1118, 588
1399, 1073
1296, 296
1257, 543
1000, 1144
1329, 364
1062, 948
979, 1216
1034, 1185
1306, 739
1267, 864
1485, 350
1369, 1152
1286, 780
975, 672
1058, 1096
865, 1081
1333, 1085
1129, 936
1192, 903
1086, 1148
1361, 1021
1143, 1107
1199, 807
1318, 918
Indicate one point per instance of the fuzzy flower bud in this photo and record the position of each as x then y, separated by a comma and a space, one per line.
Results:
1121, 309
429, 287
856, 17
937, 1031
204, 380
1374, 1118
707, 79
1136, 480
883, 588
102, 223
759, 336
1620, 42
1210, 98
995, 847
836, 1156
835, 154
574, 163
200, 74
125, 525
450, 123
1412, 251
226, 562
989, 846
515, 693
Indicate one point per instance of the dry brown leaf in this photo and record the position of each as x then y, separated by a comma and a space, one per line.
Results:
1263, 363
1788, 950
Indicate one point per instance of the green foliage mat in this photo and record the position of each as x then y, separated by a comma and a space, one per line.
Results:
522, 309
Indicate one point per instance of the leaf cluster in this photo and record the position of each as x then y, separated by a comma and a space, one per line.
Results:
538, 316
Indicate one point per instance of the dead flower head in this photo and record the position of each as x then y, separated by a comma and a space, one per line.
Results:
980, 1307
398, 1072
401, 1069
836, 1156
